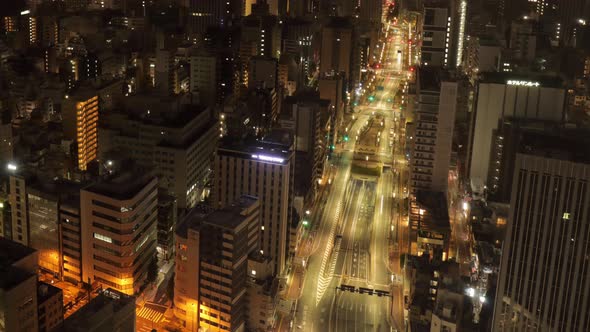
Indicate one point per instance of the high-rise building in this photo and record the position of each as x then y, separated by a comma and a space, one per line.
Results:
297, 42
443, 32
503, 95
263, 169
262, 72
178, 141
523, 39
212, 265
119, 219
433, 132
336, 48
331, 87
165, 71
203, 14
310, 119
203, 78
371, 10
46, 217
544, 280
80, 122
263, 30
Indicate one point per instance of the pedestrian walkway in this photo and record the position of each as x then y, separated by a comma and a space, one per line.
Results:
150, 314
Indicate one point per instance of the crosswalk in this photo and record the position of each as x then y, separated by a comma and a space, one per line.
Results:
150, 314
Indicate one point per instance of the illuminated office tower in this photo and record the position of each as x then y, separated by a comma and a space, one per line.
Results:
80, 121
544, 282
443, 32
119, 220
263, 169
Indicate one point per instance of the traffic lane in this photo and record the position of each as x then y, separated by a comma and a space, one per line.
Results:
359, 312
304, 314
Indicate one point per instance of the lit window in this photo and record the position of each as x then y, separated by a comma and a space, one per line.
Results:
566, 216
103, 238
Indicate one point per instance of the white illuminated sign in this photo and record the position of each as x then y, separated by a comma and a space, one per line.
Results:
523, 83
25, 12
268, 158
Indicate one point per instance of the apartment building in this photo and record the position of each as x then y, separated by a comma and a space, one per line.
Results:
80, 122
433, 130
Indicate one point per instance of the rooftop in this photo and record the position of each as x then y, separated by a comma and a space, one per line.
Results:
429, 78
228, 218
11, 276
124, 185
155, 110
565, 144
275, 147
46, 291
12, 252
86, 316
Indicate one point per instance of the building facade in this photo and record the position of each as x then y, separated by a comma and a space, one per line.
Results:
543, 282
433, 130
80, 121
119, 230
265, 170
220, 241
503, 95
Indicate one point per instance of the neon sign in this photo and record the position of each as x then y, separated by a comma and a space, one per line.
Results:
523, 83
268, 158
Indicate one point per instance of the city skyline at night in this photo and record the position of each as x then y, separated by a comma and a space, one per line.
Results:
294, 165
